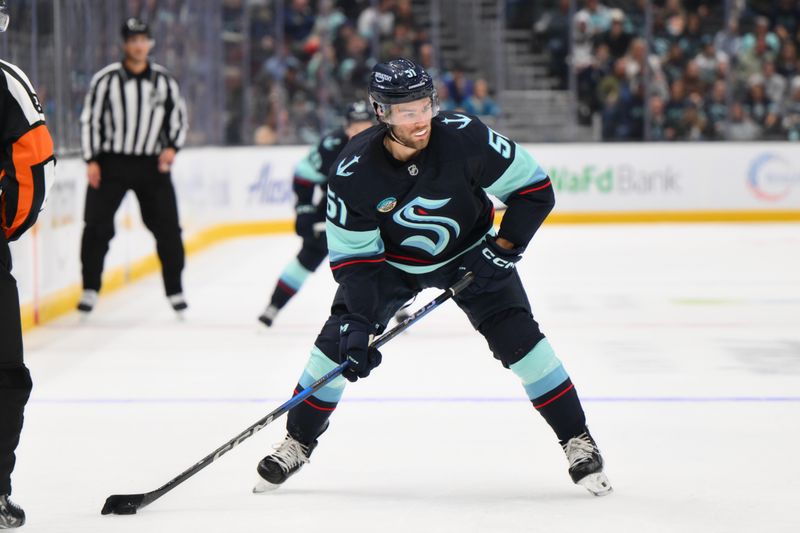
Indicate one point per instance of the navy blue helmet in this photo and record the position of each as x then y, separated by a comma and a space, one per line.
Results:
399, 81
358, 112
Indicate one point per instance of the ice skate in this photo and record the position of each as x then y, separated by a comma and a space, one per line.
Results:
289, 456
178, 303
88, 301
268, 316
586, 464
11, 515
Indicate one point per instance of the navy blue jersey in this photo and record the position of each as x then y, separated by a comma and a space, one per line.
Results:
421, 214
312, 170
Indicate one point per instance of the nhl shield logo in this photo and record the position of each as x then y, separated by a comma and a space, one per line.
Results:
387, 204
413, 170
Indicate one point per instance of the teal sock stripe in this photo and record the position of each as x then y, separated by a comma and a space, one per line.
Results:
295, 274
317, 366
540, 370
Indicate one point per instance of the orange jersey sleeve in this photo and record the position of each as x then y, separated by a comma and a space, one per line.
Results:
27, 163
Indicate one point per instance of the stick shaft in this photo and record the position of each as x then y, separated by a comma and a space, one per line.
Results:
151, 496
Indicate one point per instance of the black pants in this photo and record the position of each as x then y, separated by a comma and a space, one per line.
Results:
15, 380
159, 210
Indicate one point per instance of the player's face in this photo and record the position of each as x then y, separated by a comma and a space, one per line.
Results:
137, 47
411, 122
354, 128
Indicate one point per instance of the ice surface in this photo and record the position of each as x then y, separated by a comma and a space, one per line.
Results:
683, 341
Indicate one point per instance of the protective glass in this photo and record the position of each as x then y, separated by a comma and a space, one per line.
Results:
421, 110
4, 19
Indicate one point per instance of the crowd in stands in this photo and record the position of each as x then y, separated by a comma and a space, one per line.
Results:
306, 63
698, 77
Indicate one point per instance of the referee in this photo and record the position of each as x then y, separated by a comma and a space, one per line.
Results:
27, 169
133, 123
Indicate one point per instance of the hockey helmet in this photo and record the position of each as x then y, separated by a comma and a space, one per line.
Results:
397, 82
358, 112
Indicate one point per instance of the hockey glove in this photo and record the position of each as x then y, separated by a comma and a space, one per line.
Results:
354, 337
492, 265
307, 216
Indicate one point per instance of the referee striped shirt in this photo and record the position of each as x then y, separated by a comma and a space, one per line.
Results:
132, 114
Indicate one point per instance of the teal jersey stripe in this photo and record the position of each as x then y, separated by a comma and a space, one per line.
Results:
547, 383
346, 244
523, 171
537, 363
295, 274
317, 366
306, 170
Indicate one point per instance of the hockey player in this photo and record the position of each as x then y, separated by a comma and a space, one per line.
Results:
310, 175
26, 170
408, 209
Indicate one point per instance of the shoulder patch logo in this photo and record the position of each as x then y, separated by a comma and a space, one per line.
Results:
342, 166
463, 120
413, 170
387, 204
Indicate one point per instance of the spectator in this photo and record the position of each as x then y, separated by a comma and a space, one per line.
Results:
785, 15
716, 111
758, 105
710, 61
791, 112
459, 85
742, 127
761, 33
675, 63
377, 21
298, 20
552, 29
728, 41
692, 81
446, 102
599, 17
480, 103
616, 38
787, 64
674, 109
774, 84
658, 120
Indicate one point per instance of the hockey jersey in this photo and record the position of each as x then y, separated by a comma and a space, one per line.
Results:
312, 171
27, 163
421, 214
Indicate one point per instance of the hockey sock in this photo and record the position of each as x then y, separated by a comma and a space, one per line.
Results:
550, 390
290, 281
307, 421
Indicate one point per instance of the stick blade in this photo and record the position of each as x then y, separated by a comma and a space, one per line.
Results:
122, 504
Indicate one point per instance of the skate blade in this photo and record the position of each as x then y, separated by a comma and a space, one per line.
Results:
181, 315
262, 486
597, 484
83, 317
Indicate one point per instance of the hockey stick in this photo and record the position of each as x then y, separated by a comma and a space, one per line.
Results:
130, 503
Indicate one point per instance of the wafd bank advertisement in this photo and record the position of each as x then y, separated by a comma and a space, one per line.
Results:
690, 177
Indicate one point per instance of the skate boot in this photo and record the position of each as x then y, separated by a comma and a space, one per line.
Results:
178, 302
289, 456
586, 464
88, 301
11, 515
268, 316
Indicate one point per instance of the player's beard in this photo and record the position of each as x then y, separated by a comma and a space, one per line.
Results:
407, 138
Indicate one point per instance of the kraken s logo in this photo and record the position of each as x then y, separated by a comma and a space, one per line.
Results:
414, 215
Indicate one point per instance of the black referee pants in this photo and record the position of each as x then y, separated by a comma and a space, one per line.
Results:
15, 380
159, 208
